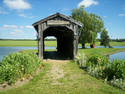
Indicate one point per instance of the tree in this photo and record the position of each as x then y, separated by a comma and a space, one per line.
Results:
78, 14
92, 24
104, 41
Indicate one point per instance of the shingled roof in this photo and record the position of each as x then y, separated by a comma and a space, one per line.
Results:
58, 15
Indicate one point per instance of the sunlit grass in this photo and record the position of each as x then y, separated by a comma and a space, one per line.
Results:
47, 43
75, 81
100, 51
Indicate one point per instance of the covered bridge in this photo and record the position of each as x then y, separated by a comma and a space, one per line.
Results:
64, 28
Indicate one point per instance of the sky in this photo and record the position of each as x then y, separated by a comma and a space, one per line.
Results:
17, 16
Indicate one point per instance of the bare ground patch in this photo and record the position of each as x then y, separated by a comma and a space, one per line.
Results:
56, 71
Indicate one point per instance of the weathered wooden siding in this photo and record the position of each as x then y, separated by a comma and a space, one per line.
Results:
66, 24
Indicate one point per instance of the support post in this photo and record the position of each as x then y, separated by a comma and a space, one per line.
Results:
75, 46
75, 42
40, 42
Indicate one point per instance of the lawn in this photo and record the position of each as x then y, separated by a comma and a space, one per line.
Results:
13, 43
47, 43
101, 51
63, 78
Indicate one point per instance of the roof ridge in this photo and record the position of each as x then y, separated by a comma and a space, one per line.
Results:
58, 14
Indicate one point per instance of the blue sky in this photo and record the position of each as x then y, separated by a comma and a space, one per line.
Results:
17, 16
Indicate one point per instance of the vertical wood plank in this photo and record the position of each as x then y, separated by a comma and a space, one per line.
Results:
40, 42
41, 34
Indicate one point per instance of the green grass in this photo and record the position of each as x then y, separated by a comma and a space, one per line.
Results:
75, 81
47, 43
12, 43
17, 43
101, 51
111, 43
117, 43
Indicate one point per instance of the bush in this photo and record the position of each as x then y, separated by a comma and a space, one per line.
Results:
120, 83
81, 60
114, 69
100, 67
18, 65
98, 60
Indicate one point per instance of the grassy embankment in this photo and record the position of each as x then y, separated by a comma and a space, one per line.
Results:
70, 78
47, 43
63, 78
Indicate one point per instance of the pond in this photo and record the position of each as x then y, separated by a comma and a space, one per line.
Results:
4, 51
103, 47
119, 55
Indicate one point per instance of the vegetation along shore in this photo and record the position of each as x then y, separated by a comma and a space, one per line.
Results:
60, 76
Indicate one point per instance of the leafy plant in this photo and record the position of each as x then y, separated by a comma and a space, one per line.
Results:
81, 60
100, 67
18, 65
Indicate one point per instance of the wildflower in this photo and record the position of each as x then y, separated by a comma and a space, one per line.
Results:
99, 59
22, 79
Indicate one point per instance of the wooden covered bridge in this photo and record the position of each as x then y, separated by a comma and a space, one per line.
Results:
64, 28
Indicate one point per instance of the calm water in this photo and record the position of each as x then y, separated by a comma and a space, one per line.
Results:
103, 47
120, 55
4, 51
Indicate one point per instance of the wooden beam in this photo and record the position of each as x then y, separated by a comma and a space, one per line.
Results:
40, 42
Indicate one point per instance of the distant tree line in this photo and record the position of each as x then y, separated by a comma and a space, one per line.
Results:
50, 39
113, 40
118, 40
27, 39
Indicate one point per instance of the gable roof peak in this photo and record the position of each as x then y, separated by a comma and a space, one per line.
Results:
61, 15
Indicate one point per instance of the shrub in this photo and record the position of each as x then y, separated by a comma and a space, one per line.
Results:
115, 68
100, 67
81, 60
18, 65
96, 64
98, 60
120, 83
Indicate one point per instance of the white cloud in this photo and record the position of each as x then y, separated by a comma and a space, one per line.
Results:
26, 16
65, 9
12, 33
88, 3
18, 30
121, 15
22, 15
21, 27
105, 16
34, 34
29, 27
17, 4
3, 12
9, 27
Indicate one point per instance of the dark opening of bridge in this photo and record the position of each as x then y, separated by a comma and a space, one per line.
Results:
65, 29
64, 38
